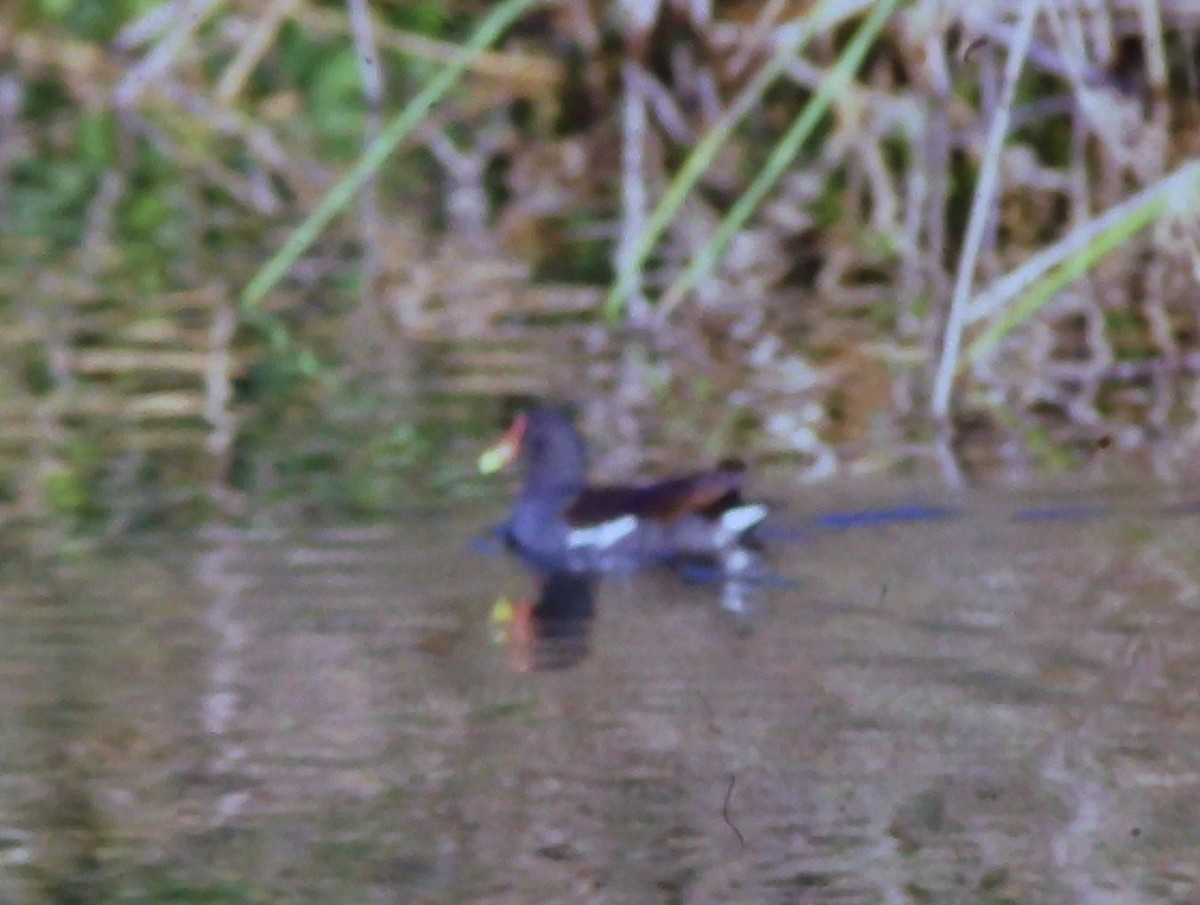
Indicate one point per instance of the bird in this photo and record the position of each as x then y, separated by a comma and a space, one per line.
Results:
561, 523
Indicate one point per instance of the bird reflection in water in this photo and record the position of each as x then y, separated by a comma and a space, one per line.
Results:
553, 631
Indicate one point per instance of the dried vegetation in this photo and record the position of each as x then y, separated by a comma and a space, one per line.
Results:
842, 234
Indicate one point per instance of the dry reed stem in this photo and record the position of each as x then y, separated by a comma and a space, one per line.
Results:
981, 211
523, 74
253, 49
190, 14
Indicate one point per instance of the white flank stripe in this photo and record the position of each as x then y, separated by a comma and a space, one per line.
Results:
603, 535
735, 521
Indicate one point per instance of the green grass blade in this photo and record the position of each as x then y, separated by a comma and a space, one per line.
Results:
1176, 191
699, 160
785, 152
342, 194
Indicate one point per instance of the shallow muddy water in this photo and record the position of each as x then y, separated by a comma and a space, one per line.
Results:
995, 707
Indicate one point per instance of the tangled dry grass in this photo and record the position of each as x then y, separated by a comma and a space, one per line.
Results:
845, 233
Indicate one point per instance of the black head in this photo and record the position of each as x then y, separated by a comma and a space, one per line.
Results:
549, 448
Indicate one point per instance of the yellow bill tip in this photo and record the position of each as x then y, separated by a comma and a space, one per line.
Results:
494, 459
503, 611
503, 452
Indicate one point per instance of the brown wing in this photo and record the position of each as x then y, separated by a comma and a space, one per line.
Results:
706, 493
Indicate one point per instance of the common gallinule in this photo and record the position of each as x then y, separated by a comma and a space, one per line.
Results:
559, 523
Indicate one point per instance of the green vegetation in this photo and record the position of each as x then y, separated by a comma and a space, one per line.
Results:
273, 249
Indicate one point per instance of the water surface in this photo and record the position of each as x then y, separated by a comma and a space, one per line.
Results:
976, 709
